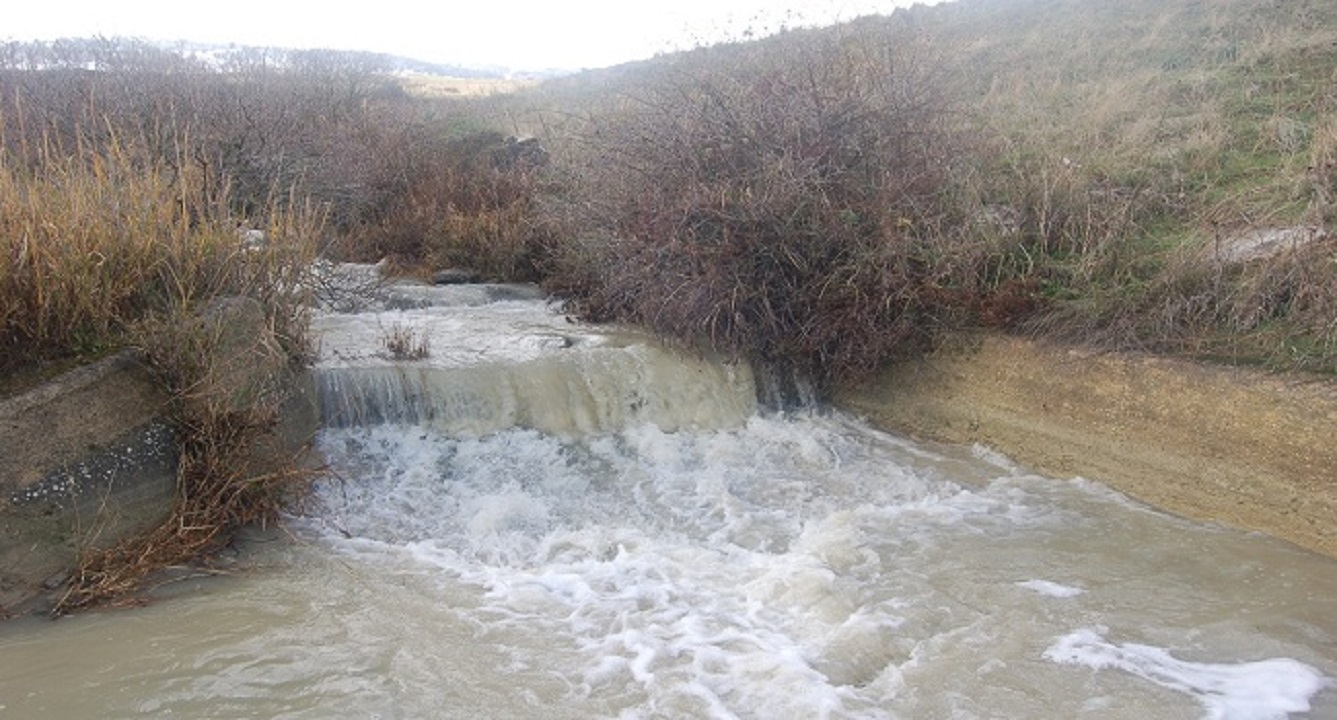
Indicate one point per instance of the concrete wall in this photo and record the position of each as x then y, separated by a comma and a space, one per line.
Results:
1239, 447
89, 458
84, 460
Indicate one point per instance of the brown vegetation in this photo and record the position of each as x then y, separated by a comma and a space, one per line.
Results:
234, 469
459, 202
112, 237
404, 343
787, 210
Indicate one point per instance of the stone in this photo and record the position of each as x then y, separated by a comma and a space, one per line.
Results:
454, 276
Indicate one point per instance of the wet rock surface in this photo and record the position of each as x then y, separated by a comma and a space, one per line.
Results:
85, 459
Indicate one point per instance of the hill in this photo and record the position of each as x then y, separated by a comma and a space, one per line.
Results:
1152, 174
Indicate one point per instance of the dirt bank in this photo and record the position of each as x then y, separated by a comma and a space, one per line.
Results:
1239, 447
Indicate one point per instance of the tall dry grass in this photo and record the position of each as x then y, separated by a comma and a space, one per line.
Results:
107, 246
97, 238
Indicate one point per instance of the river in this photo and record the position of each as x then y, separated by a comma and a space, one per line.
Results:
541, 519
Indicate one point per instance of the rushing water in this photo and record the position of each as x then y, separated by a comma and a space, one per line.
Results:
546, 520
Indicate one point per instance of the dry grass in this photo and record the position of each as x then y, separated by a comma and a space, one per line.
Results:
110, 246
99, 238
219, 490
403, 342
234, 469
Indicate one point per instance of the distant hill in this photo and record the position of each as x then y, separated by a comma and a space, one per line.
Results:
121, 53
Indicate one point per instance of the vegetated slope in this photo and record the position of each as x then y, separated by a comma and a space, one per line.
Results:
1211, 125
1230, 102
1150, 174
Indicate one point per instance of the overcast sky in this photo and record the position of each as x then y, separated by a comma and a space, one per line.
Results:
520, 34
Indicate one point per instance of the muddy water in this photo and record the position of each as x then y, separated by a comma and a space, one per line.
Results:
613, 531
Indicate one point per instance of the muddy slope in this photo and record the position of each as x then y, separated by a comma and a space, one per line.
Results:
1243, 448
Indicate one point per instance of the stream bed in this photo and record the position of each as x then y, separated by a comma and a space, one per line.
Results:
544, 519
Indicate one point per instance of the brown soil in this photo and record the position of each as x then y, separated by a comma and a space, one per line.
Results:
1239, 447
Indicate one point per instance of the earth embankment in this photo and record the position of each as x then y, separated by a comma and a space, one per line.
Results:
1239, 447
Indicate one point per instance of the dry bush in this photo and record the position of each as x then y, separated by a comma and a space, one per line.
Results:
468, 202
404, 343
332, 123
776, 203
232, 472
94, 241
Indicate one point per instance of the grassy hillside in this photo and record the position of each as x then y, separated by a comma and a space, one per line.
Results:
1228, 101
1114, 166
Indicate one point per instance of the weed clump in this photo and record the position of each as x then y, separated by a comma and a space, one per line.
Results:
233, 468
402, 342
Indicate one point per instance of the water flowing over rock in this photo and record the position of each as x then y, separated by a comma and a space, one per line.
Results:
500, 359
542, 519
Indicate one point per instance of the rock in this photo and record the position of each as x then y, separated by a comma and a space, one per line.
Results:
89, 458
1265, 242
454, 276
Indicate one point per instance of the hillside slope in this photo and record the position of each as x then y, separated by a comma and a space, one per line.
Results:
1231, 101
1150, 174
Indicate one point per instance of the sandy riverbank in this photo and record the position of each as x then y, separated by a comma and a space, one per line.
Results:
1239, 447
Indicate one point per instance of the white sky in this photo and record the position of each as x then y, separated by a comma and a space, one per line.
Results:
520, 34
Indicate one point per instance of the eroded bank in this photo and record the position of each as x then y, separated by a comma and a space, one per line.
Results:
1240, 447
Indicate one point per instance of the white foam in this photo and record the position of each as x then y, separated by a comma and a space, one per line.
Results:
563, 487
1051, 589
1260, 690
707, 568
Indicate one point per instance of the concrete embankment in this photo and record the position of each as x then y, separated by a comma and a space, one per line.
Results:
85, 460
1239, 447
90, 458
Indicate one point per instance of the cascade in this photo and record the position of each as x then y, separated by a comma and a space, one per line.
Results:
489, 366
537, 519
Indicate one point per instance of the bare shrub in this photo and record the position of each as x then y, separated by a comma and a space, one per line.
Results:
777, 203
333, 123
468, 202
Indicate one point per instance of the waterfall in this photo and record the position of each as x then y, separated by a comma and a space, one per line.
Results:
515, 363
572, 394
